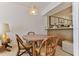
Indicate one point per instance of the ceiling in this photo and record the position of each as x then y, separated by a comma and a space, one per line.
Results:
39, 5
65, 12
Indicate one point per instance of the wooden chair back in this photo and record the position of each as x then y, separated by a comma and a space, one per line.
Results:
49, 46
21, 46
20, 43
52, 43
42, 45
31, 33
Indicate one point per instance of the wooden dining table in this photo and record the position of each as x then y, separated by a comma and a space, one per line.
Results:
35, 38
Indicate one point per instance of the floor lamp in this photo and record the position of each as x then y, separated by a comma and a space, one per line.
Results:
5, 37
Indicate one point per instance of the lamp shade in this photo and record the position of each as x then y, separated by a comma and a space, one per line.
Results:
6, 28
1, 29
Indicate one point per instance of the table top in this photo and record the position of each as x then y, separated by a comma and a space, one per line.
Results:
36, 37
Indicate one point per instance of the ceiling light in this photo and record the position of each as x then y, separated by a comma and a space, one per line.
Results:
33, 10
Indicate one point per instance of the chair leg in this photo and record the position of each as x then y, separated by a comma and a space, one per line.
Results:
22, 53
26, 50
18, 53
54, 52
30, 53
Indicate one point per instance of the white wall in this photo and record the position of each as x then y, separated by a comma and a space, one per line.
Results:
75, 8
19, 19
78, 28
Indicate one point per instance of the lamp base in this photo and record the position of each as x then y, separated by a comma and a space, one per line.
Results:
7, 49
6, 45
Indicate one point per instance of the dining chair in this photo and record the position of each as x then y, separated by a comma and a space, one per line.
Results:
23, 46
52, 44
47, 47
41, 50
31, 33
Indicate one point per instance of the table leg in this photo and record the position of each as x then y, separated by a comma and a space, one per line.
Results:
33, 48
